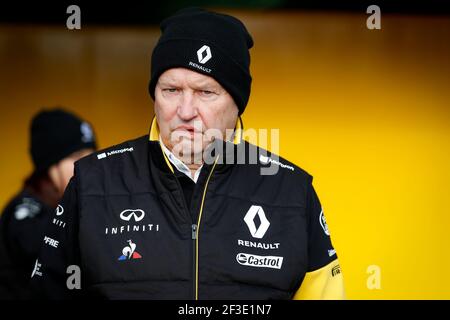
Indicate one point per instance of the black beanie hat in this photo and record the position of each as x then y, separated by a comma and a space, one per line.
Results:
55, 134
210, 43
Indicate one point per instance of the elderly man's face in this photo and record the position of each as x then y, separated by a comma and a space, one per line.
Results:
187, 106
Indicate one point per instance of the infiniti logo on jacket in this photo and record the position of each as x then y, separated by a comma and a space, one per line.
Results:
137, 214
129, 215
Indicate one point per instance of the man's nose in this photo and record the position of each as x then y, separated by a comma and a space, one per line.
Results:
187, 108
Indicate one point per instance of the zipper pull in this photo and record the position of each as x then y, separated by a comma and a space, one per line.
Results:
194, 231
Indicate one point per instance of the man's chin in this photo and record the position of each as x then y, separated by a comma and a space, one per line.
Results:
187, 144
189, 148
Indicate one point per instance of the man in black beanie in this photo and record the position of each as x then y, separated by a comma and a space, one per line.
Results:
177, 214
58, 138
209, 43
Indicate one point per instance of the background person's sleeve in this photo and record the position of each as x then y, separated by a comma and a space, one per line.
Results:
59, 250
324, 278
22, 226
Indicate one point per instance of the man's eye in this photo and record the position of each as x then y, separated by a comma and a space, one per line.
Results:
207, 92
170, 90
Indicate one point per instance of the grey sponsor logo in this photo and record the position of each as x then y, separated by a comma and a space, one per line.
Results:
113, 152
29, 208
323, 223
36, 269
51, 242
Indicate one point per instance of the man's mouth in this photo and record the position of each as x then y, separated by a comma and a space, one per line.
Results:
186, 131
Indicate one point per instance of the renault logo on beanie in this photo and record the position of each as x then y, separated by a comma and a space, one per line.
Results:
210, 43
203, 59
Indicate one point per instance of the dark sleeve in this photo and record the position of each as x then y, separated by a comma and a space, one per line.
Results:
320, 249
59, 250
21, 230
8, 277
24, 235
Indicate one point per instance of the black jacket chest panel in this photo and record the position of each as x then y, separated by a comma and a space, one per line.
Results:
252, 238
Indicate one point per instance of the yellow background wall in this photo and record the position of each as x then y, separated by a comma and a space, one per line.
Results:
366, 112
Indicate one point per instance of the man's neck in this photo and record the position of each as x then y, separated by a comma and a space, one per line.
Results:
191, 167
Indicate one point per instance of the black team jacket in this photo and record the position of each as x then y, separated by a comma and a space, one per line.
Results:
125, 226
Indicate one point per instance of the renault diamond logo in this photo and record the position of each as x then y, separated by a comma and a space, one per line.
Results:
137, 214
250, 221
203, 59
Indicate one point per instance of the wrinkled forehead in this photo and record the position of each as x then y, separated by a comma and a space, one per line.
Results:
183, 76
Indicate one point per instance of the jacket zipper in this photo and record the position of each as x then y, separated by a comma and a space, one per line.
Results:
194, 252
194, 227
195, 233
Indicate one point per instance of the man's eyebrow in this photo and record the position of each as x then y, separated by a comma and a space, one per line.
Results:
167, 81
206, 84
200, 84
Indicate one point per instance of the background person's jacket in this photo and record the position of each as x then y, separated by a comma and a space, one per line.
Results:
22, 228
124, 221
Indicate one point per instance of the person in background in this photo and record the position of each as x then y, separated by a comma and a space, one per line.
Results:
58, 139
